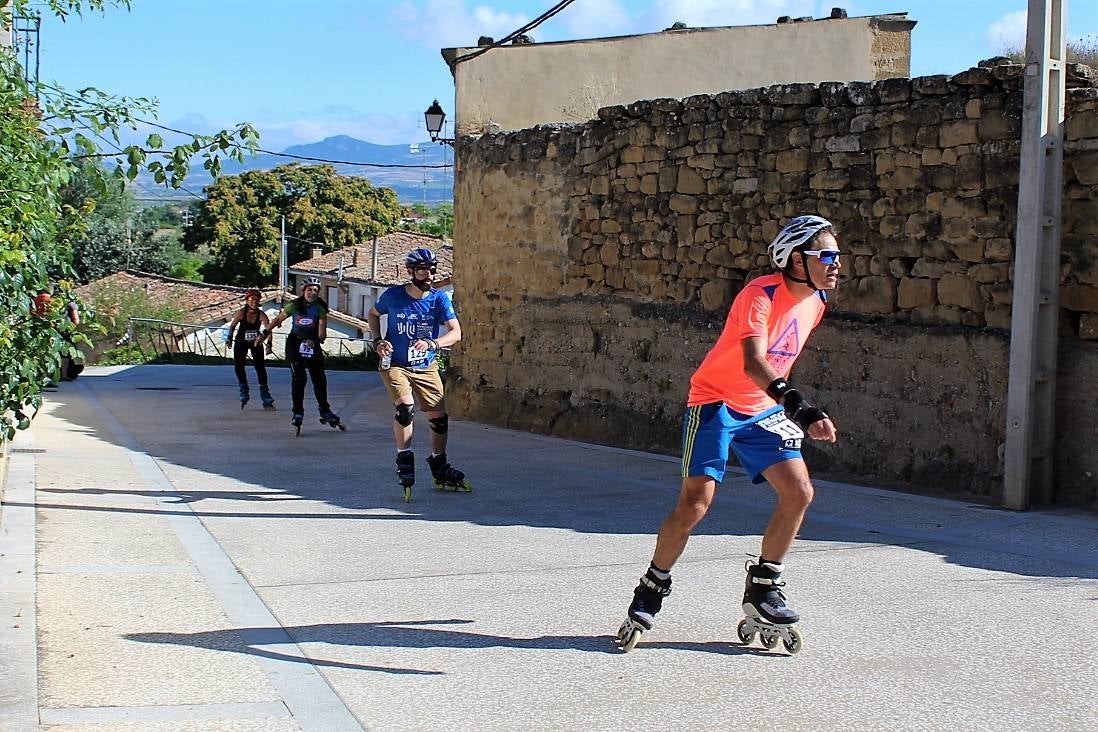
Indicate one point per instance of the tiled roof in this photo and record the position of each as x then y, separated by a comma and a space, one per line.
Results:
200, 302
391, 250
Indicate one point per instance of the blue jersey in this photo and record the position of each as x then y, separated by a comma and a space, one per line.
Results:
306, 318
412, 319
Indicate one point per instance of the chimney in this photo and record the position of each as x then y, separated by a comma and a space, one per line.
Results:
354, 257
317, 251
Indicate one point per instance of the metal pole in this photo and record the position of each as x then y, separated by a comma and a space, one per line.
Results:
1031, 398
283, 276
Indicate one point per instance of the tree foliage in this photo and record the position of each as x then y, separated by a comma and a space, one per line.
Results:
44, 132
241, 217
438, 221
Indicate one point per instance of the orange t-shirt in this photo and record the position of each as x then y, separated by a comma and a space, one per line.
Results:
766, 308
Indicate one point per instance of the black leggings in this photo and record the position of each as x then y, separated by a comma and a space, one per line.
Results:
240, 355
302, 370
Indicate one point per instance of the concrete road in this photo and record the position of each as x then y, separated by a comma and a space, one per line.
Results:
170, 562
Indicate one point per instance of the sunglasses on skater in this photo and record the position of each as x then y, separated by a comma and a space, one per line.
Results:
432, 270
826, 256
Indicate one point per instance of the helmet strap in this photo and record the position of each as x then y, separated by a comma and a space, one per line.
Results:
807, 275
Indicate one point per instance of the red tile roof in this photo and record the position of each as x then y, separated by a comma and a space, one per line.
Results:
391, 250
198, 301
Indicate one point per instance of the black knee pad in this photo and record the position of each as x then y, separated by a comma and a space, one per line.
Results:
439, 425
404, 414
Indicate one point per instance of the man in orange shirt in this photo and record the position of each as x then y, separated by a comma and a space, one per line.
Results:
739, 398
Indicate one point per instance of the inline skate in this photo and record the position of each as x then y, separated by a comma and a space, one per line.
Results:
406, 472
330, 418
265, 395
244, 393
446, 476
766, 611
296, 420
647, 601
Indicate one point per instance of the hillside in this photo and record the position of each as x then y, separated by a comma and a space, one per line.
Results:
412, 185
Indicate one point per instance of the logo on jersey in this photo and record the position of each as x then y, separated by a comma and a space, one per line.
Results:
785, 347
304, 321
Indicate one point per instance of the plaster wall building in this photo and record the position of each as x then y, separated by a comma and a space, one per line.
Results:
519, 86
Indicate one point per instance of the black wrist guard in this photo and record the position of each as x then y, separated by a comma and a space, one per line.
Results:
796, 406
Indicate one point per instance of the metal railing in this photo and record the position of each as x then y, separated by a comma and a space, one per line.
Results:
165, 339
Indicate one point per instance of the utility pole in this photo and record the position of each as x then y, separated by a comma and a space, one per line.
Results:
283, 274
1031, 397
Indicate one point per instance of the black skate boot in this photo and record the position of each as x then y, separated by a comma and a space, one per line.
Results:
647, 601
265, 395
447, 477
330, 418
244, 393
406, 472
296, 420
765, 608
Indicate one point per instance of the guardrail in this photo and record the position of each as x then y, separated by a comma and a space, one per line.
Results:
166, 339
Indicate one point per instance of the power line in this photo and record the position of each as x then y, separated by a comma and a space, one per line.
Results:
524, 29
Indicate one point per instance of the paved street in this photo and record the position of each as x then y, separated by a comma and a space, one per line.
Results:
170, 562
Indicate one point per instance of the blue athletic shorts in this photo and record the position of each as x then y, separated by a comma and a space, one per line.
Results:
759, 441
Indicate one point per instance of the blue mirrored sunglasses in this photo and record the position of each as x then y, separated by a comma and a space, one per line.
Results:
826, 256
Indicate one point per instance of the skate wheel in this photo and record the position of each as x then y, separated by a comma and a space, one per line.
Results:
407, 493
769, 639
628, 636
741, 632
342, 427
466, 487
795, 642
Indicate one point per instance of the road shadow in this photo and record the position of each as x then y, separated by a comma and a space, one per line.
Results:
418, 634
188, 418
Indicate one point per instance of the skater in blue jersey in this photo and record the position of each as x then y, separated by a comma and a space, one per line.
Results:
417, 314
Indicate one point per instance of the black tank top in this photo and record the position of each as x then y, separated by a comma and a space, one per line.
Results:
247, 331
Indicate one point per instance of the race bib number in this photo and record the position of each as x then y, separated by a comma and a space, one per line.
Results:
306, 349
790, 434
251, 335
415, 357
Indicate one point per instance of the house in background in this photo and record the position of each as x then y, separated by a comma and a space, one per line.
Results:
353, 278
204, 311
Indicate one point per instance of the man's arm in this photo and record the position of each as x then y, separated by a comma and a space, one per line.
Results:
452, 334
812, 419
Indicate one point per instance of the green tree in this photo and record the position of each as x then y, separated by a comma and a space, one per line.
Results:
44, 132
439, 221
240, 219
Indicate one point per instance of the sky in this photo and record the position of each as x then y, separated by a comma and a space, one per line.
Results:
302, 71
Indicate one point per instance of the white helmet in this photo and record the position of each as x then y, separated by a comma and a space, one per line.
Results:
796, 233
310, 281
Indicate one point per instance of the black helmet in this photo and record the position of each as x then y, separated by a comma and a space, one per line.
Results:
421, 257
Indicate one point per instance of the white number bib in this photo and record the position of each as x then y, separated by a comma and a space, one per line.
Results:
251, 335
306, 349
786, 429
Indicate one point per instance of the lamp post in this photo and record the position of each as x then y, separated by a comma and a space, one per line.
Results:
434, 116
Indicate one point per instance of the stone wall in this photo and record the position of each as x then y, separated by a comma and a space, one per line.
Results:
597, 263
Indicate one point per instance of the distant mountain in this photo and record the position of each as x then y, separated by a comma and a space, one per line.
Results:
412, 185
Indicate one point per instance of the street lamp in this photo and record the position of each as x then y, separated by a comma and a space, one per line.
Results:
434, 116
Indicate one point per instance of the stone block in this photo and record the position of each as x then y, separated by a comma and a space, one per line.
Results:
1082, 125
959, 290
650, 185
633, 154
973, 77
999, 124
668, 179
917, 293
1085, 167
997, 316
925, 267
845, 143
830, 180
999, 250
716, 294
690, 181
745, 185
931, 86
610, 226
961, 132
792, 161
873, 295
903, 179
1088, 327
968, 250
973, 108
1079, 298
600, 185
684, 204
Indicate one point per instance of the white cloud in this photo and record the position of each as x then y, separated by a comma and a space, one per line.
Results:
1009, 32
595, 18
448, 23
